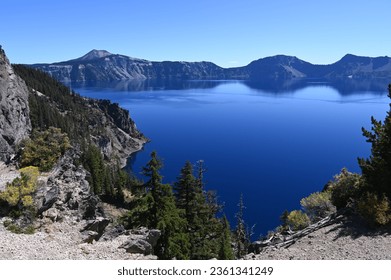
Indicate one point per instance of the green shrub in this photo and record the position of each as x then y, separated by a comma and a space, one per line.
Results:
375, 210
18, 229
298, 220
344, 188
318, 205
19, 191
45, 148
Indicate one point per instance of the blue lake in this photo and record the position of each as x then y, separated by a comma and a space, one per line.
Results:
274, 144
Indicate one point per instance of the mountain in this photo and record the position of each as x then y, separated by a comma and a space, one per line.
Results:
94, 54
283, 67
101, 65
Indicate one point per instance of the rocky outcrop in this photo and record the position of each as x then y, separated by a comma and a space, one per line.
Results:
95, 229
121, 136
15, 122
66, 192
141, 241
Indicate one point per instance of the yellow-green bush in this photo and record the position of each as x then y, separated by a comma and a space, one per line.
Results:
297, 220
19, 191
344, 188
374, 209
45, 148
318, 205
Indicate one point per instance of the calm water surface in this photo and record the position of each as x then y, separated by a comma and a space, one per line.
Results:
274, 147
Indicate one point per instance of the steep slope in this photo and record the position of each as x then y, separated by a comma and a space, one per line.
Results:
83, 119
14, 110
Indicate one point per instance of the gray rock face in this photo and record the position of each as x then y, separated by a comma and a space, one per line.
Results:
68, 191
98, 225
15, 122
141, 241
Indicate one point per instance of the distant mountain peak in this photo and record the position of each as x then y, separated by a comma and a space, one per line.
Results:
95, 54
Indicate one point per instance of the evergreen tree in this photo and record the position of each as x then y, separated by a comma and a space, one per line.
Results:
242, 235
189, 196
93, 162
163, 214
200, 174
284, 220
376, 170
191, 200
199, 209
151, 170
174, 241
225, 252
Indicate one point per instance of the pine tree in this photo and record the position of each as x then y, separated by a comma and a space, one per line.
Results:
225, 252
199, 208
151, 170
174, 241
93, 162
153, 185
164, 215
376, 170
189, 196
190, 199
241, 232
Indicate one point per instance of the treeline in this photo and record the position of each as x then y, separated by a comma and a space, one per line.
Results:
108, 181
52, 104
186, 214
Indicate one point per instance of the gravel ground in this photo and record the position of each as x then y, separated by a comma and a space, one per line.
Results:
60, 241
344, 240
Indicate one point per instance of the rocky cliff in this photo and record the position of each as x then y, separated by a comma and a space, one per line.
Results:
15, 122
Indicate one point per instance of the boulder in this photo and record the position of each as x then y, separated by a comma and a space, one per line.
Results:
114, 232
89, 236
153, 236
98, 225
52, 214
141, 241
137, 246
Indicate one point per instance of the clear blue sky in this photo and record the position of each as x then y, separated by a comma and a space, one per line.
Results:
229, 33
